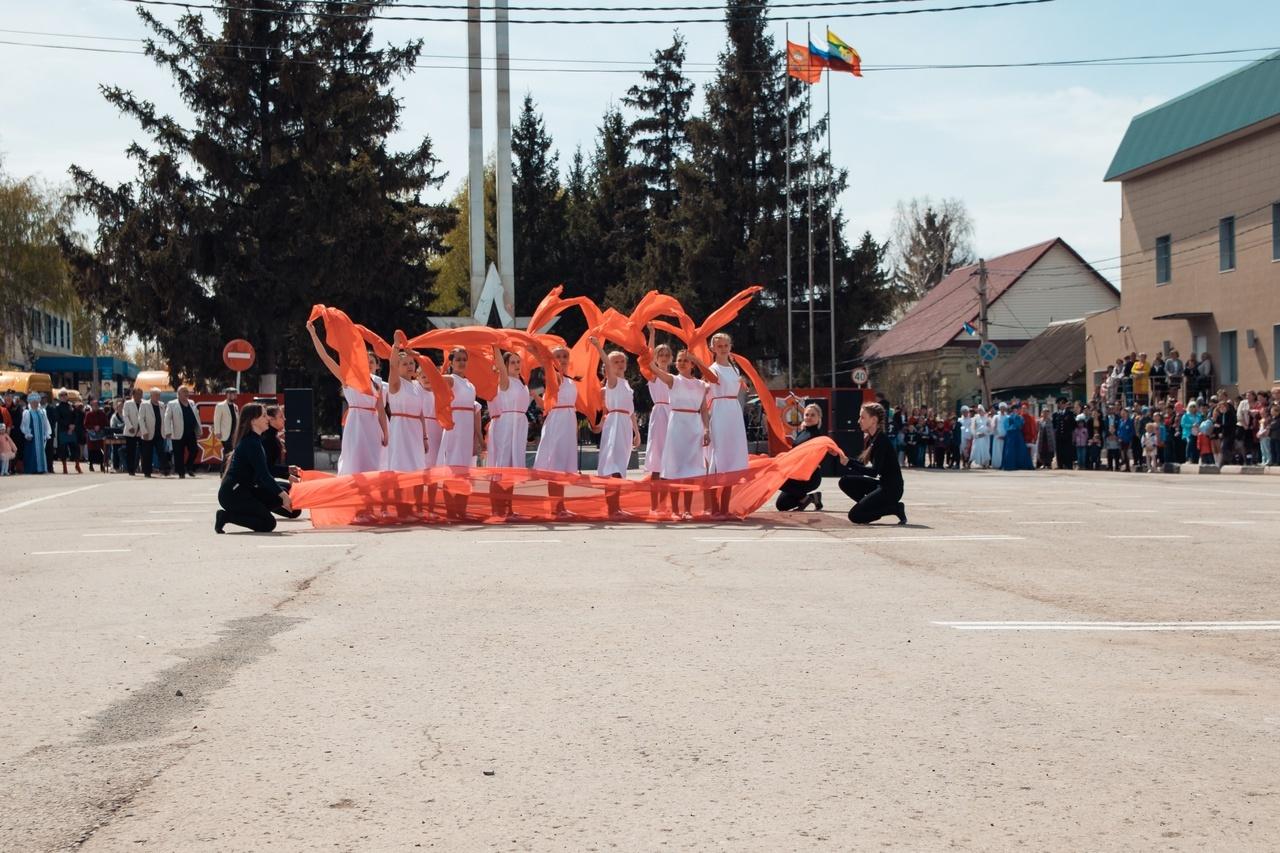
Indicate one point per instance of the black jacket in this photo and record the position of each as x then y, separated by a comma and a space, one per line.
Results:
248, 469
275, 454
881, 464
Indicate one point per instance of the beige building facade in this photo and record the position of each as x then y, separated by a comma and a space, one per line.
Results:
1200, 233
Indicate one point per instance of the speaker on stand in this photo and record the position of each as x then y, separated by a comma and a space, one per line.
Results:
300, 427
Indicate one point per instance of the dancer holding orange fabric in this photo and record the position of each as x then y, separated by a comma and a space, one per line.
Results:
619, 433
728, 429
558, 445
459, 445
364, 431
686, 428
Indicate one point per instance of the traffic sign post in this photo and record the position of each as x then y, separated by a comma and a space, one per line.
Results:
988, 352
860, 376
238, 355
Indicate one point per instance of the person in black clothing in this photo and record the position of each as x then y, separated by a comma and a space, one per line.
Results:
1064, 423
876, 482
273, 446
249, 493
802, 494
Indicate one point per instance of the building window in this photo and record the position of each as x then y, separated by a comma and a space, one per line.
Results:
1164, 260
1228, 359
1226, 244
1275, 231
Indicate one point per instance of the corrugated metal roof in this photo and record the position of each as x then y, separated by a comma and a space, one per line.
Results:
941, 314
1240, 99
1053, 357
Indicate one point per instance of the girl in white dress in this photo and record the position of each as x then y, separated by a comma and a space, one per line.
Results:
508, 415
558, 446
508, 425
619, 432
659, 415
686, 428
728, 429
459, 446
430, 426
980, 455
406, 447
364, 430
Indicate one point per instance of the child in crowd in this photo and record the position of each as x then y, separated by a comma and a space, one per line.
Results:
911, 441
8, 450
1094, 448
1113, 449
1125, 433
1151, 446
1204, 442
1080, 439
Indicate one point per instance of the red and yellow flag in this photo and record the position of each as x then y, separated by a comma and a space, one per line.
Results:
801, 64
841, 56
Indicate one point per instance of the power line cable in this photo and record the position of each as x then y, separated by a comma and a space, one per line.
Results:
590, 21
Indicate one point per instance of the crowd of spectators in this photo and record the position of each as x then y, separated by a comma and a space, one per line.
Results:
1145, 414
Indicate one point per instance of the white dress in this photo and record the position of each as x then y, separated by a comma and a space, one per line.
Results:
615, 432
658, 420
508, 427
682, 452
362, 448
558, 447
404, 430
457, 445
728, 429
1000, 425
431, 425
980, 455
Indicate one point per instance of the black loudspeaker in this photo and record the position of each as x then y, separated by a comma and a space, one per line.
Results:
844, 426
300, 427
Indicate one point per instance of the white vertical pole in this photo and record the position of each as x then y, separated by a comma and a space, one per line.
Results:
787, 120
506, 239
808, 180
831, 238
475, 180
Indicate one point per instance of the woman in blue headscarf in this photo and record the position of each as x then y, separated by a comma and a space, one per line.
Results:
35, 429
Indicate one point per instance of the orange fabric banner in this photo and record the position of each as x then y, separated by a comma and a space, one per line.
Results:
487, 495
341, 335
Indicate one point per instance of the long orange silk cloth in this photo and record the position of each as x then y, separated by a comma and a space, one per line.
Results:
486, 495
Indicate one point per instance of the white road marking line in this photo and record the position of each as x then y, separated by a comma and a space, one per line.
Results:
978, 511
1132, 511
195, 503
48, 498
1153, 536
1219, 522
866, 540
131, 535
1051, 522
1245, 625
516, 541
1263, 511
86, 551
169, 511
325, 545
154, 520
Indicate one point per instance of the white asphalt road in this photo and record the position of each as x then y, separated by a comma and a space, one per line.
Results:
1047, 661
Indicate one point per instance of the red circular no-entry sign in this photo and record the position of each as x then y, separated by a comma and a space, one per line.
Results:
238, 355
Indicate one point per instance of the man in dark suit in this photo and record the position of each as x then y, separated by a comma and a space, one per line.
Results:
1064, 421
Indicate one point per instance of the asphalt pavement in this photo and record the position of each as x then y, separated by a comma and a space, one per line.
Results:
1039, 660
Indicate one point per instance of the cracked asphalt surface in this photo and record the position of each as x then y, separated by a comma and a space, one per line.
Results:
786, 683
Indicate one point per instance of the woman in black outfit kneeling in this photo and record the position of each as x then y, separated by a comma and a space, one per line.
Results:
801, 494
876, 482
249, 493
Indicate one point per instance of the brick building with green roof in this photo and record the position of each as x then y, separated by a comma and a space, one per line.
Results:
1200, 231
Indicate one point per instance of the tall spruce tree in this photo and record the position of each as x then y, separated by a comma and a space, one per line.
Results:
659, 131
281, 193
538, 209
619, 210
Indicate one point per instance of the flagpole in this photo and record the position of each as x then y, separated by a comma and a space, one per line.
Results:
831, 239
787, 121
808, 179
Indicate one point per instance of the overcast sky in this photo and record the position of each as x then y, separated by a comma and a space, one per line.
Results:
1025, 148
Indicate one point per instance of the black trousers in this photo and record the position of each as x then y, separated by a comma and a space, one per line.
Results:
148, 447
1066, 453
792, 492
131, 453
871, 502
184, 454
246, 508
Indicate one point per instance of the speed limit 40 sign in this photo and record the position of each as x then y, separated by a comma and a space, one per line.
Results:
860, 376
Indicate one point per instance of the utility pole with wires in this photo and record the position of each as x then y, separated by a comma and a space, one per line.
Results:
982, 331
808, 180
